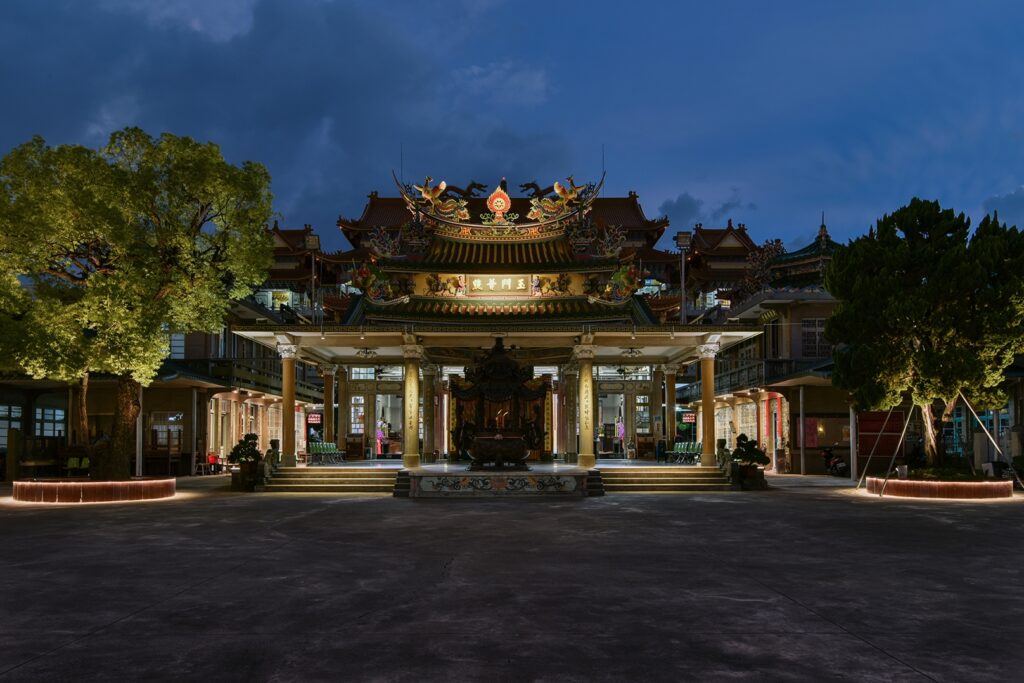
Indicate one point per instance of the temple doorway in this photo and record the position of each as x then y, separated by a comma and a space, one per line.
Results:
611, 425
387, 435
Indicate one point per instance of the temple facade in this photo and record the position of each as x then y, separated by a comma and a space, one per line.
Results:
570, 280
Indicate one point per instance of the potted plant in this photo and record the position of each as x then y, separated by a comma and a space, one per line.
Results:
246, 454
747, 461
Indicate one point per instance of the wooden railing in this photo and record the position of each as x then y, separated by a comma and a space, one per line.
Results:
737, 375
256, 374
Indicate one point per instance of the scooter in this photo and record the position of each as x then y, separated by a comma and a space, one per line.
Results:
834, 464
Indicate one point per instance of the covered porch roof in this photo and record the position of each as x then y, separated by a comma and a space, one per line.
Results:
537, 344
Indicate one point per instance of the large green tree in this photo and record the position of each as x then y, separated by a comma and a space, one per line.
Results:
116, 248
927, 309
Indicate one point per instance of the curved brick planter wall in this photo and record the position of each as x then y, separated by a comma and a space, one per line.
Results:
963, 490
84, 491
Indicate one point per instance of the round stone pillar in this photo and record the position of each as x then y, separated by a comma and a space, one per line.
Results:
288, 353
327, 372
429, 441
341, 387
707, 401
584, 354
670, 405
413, 354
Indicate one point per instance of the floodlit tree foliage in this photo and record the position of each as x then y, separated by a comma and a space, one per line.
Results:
114, 249
927, 309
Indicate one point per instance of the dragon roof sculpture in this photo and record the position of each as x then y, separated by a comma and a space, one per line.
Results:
550, 212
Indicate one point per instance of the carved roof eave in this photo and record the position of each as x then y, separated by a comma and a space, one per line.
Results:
533, 227
401, 264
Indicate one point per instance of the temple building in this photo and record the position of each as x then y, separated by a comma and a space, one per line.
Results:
564, 276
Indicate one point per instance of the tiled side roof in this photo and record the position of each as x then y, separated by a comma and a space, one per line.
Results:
549, 252
575, 309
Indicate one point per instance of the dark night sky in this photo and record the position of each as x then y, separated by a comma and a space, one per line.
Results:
767, 113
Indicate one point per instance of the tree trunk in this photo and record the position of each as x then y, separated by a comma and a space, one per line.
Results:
117, 462
934, 445
82, 426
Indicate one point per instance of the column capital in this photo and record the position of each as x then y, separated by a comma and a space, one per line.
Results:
412, 351
583, 352
326, 369
709, 350
288, 351
429, 369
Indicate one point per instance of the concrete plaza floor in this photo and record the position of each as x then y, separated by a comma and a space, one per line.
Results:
803, 582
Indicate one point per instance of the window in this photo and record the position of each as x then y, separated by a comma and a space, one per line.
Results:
10, 418
363, 373
357, 414
177, 346
643, 414
166, 431
49, 422
812, 338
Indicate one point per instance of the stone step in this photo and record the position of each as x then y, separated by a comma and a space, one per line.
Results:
664, 487
643, 480
662, 475
608, 483
275, 487
382, 481
681, 469
335, 473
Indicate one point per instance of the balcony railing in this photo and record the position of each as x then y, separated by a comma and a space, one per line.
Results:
254, 374
738, 375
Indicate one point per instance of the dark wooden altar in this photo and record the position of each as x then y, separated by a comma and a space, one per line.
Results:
499, 415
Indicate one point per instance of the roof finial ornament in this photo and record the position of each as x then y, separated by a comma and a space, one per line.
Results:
823, 231
730, 223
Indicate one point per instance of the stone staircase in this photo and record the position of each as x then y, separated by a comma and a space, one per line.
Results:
332, 480
663, 479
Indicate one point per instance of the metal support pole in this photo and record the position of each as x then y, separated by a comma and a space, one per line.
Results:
873, 447
138, 438
803, 455
854, 437
892, 462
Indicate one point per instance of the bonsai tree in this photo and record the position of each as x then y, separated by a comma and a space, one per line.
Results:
747, 452
246, 450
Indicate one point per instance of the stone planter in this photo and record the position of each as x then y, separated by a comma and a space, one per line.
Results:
88, 491
953, 490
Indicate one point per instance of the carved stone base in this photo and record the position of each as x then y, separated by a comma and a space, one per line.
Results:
436, 483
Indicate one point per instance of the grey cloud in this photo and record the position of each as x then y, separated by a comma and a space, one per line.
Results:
1010, 207
686, 209
683, 210
322, 93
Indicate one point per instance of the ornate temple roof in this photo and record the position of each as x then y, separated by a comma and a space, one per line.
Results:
391, 213
806, 266
569, 309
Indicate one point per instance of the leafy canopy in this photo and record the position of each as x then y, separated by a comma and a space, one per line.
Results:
927, 309
104, 252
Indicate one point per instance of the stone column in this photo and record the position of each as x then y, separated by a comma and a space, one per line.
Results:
657, 409
216, 438
341, 382
584, 354
413, 354
670, 405
429, 442
707, 401
571, 412
760, 434
288, 353
265, 424
327, 372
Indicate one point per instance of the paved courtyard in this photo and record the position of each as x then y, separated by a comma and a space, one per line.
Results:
798, 583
